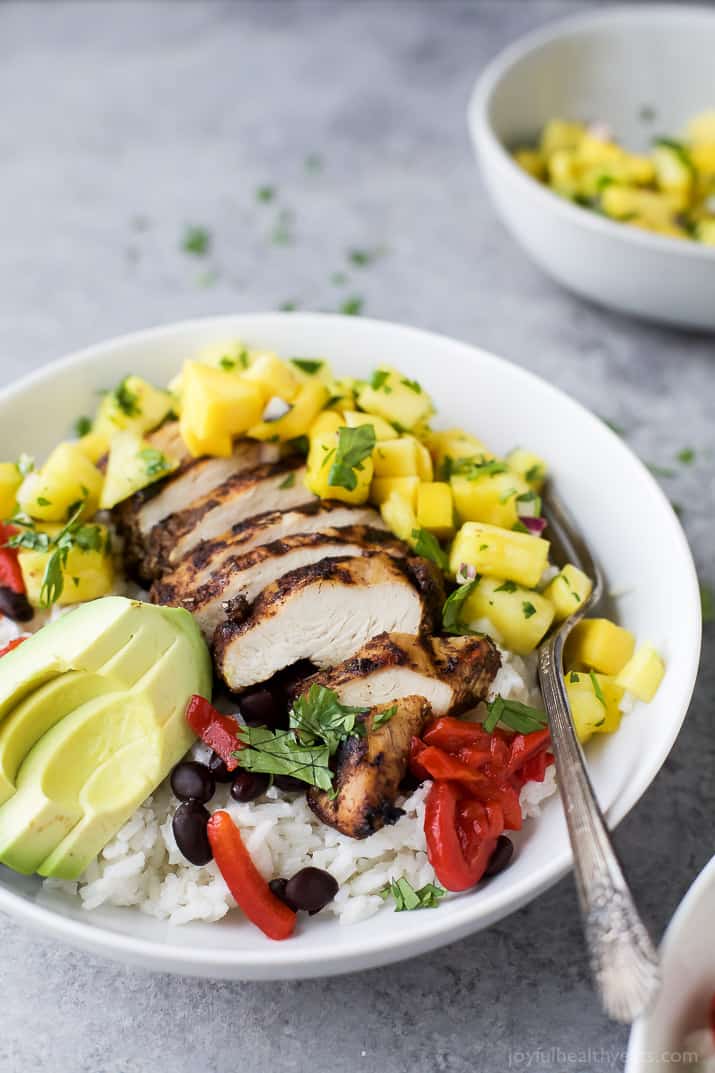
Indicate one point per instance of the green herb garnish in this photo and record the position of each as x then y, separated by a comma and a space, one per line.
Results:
277, 752
378, 380
660, 471
197, 241
288, 307
528, 609
309, 366
361, 258
474, 468
412, 385
354, 446
597, 688
618, 429
352, 307
300, 444
686, 456
318, 718
507, 586
287, 482
407, 898
265, 193
519, 717
82, 426
381, 718
427, 545
155, 462
125, 399
452, 609
73, 534
534, 473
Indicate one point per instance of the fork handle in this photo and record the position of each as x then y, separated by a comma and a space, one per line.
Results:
623, 960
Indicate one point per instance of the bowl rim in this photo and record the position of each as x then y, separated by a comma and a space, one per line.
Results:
485, 139
639, 1033
277, 960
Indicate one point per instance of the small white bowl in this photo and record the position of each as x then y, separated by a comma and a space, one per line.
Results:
623, 513
607, 66
688, 964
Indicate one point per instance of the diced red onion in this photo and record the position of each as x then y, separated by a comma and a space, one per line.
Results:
466, 573
535, 526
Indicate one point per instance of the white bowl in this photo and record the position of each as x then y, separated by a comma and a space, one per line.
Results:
623, 513
688, 963
607, 66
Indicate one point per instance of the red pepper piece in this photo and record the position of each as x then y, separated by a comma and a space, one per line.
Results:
10, 572
453, 734
524, 746
11, 644
245, 882
417, 747
216, 730
474, 757
534, 770
440, 765
444, 847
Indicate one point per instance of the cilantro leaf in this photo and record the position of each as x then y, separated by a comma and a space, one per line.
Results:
82, 426
528, 609
309, 366
197, 241
277, 752
686, 455
412, 385
287, 482
507, 586
597, 688
427, 545
352, 307
378, 379
519, 717
156, 463
474, 468
354, 446
452, 609
407, 898
126, 399
265, 193
25, 464
318, 717
381, 718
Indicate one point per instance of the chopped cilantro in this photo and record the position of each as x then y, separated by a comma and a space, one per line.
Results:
528, 609
534, 473
44, 502
125, 399
381, 718
277, 752
155, 462
196, 241
354, 446
452, 609
573, 677
265, 193
519, 527
474, 468
73, 534
686, 456
339, 279
412, 385
597, 688
362, 258
660, 471
309, 366
618, 429
287, 482
288, 307
519, 717
25, 464
82, 426
427, 545
352, 307
379, 379
507, 586
282, 234
407, 898
507, 495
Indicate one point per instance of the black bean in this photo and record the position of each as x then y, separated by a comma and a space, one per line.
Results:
218, 769
278, 887
248, 785
311, 889
500, 858
191, 779
15, 605
289, 784
189, 824
261, 708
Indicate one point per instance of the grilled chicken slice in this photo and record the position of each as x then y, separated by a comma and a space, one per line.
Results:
370, 770
207, 558
452, 673
137, 516
239, 497
325, 613
245, 576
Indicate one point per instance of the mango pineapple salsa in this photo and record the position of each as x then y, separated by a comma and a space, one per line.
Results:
669, 190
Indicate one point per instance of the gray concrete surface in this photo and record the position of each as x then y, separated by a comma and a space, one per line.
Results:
122, 123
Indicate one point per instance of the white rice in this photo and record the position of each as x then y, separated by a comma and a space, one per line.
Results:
142, 866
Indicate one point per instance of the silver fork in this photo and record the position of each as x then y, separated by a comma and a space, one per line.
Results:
623, 959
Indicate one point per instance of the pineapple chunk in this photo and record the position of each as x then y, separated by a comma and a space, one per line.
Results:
132, 404
133, 464
395, 397
307, 404
645, 207
531, 161
701, 127
560, 134
643, 673
594, 700
93, 445
324, 442
67, 478
528, 466
601, 644
217, 406
489, 497
453, 444
674, 170
383, 429
568, 591
10, 481
500, 553
705, 231
383, 487
87, 572
703, 158
312, 370
396, 458
435, 508
425, 469
274, 377
399, 516
520, 616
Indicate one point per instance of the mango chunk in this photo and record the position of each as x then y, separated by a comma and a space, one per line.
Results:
489, 497
594, 700
383, 487
10, 481
308, 403
383, 429
435, 508
274, 377
530, 467
133, 464
521, 617
134, 404
324, 440
398, 515
500, 553
642, 674
453, 444
600, 644
312, 370
94, 445
67, 478
87, 571
425, 469
531, 161
568, 591
560, 134
396, 458
217, 406
395, 397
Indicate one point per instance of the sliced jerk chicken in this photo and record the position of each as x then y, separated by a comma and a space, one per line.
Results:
241, 496
370, 769
210, 556
243, 577
452, 673
325, 613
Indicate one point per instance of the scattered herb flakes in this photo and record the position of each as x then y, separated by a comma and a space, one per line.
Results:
338, 279
126, 399
318, 718
678, 509
474, 468
411, 384
156, 463
196, 241
707, 602
378, 380
300, 444
43, 502
519, 717
528, 609
73, 534
426, 544
287, 307
574, 677
313, 162
277, 752
507, 586
354, 446
82, 426
352, 307
660, 471
647, 113
507, 495
597, 688
381, 718
287, 482
519, 527
534, 473
452, 609
618, 429
282, 233
531, 497
407, 898
686, 456
309, 366
265, 193
361, 258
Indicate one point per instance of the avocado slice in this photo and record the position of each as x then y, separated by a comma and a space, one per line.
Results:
106, 729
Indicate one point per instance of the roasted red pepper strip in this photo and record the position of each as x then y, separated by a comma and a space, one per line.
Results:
216, 730
245, 882
453, 734
444, 847
11, 644
417, 747
10, 572
440, 765
524, 746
